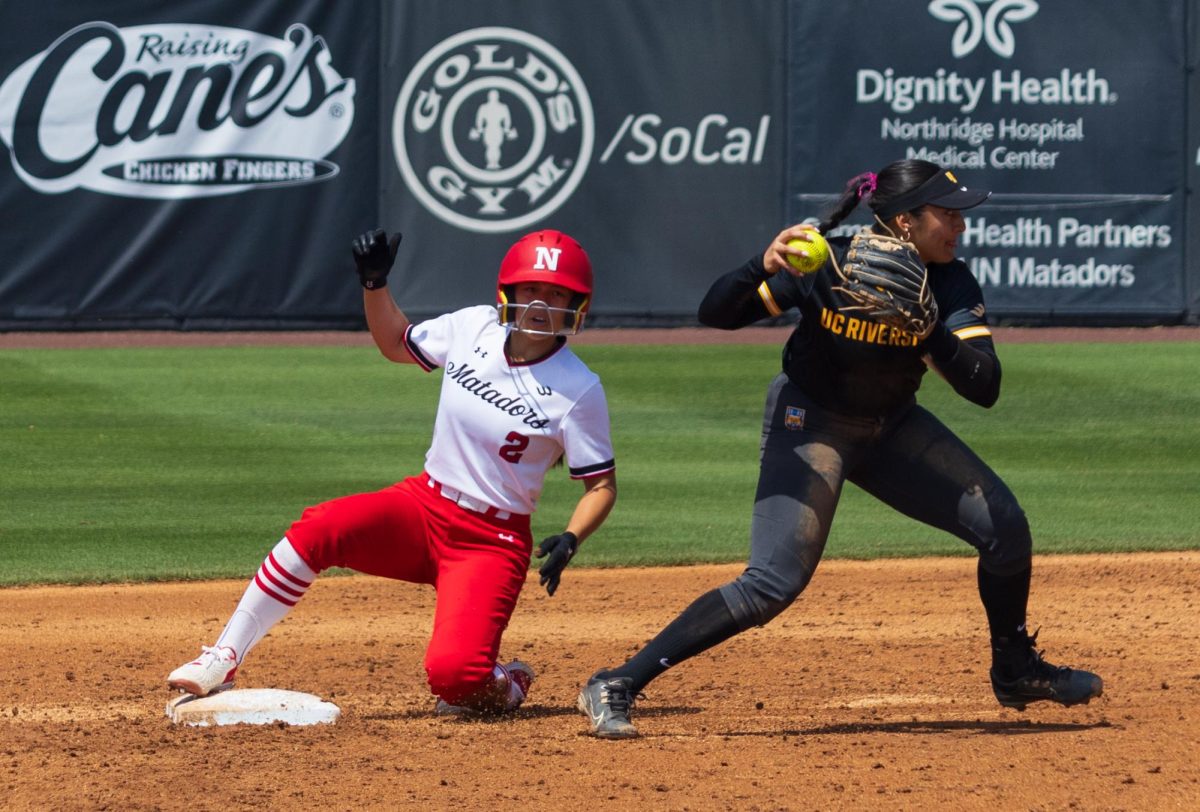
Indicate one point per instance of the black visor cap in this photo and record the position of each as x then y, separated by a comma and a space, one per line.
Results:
943, 189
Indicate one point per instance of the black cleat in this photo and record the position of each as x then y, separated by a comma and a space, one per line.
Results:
1029, 678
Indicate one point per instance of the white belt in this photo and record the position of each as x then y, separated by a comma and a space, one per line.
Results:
469, 502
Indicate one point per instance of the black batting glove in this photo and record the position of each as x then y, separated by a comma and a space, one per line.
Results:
560, 549
374, 254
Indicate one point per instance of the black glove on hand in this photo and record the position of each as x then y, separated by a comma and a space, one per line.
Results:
374, 254
561, 549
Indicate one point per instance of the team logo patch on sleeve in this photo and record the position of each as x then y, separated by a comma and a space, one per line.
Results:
793, 418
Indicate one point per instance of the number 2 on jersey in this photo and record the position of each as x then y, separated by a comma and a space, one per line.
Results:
514, 448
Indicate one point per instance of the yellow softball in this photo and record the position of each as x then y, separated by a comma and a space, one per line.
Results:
818, 252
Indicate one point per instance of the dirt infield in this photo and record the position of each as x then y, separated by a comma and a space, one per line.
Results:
869, 693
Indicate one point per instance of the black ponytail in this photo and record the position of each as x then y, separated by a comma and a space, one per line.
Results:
895, 179
857, 188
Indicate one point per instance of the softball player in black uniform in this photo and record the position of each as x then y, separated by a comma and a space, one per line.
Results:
844, 408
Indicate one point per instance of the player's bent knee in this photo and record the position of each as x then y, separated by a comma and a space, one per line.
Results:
755, 599
314, 538
455, 677
1012, 550
998, 528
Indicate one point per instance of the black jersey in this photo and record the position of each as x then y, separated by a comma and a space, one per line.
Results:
845, 362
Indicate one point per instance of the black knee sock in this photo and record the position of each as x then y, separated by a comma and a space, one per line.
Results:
698, 628
1005, 598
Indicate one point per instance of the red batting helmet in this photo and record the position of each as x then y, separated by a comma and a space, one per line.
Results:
545, 256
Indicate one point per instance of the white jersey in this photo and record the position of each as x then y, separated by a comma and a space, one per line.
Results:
501, 424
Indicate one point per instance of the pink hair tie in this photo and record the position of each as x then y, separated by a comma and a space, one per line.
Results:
867, 187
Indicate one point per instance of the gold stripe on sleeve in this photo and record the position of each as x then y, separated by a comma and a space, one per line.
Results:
768, 300
974, 331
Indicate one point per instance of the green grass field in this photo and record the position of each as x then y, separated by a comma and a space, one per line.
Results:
164, 464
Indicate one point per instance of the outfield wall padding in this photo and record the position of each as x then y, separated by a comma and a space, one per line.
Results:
205, 165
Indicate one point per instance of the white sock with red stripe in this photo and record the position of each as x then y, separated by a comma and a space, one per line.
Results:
280, 582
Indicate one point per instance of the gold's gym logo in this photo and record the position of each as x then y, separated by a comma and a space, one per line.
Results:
493, 129
175, 110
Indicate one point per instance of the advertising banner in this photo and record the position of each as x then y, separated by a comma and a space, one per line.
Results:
1192, 250
204, 164
192, 165
650, 131
1066, 110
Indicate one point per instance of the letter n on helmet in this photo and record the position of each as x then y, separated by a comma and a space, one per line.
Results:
545, 256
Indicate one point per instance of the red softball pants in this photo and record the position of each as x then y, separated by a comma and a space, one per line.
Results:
409, 532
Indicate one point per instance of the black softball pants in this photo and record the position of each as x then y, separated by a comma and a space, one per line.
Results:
909, 460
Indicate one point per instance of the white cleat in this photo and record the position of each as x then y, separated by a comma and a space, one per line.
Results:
209, 673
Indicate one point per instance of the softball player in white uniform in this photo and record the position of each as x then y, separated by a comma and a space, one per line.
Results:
514, 400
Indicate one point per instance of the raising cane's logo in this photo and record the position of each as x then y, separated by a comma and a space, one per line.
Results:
173, 111
493, 129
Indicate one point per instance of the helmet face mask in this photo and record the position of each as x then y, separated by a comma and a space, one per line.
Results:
549, 257
522, 318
